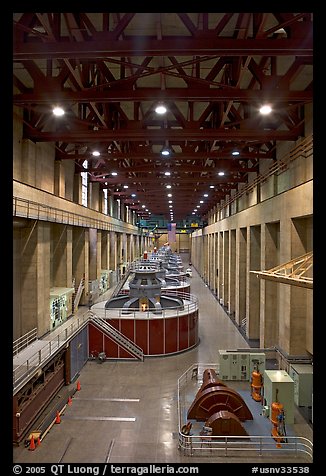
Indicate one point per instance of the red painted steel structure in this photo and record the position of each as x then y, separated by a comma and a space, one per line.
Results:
156, 336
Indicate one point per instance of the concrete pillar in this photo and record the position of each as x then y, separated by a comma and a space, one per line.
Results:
94, 195
99, 254
61, 256
269, 298
59, 179
34, 279
300, 244
80, 256
232, 261
215, 259
253, 283
113, 250
105, 249
241, 275
226, 268
77, 189
28, 167
220, 266
92, 254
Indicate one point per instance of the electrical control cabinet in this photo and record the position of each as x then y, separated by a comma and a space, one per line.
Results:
93, 289
236, 365
302, 376
104, 281
60, 305
279, 387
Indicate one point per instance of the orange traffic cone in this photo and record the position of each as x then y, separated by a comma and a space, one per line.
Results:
32, 444
57, 418
38, 441
69, 400
78, 386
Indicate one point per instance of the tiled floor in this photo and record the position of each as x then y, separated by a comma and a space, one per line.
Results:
126, 412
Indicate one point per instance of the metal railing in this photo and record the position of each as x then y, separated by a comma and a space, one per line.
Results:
24, 341
116, 336
190, 305
304, 149
24, 371
240, 446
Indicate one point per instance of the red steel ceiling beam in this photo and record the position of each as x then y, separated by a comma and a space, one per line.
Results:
155, 94
103, 46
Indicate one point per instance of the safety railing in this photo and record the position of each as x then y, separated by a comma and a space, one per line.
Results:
304, 149
236, 446
39, 211
23, 372
24, 341
190, 305
117, 336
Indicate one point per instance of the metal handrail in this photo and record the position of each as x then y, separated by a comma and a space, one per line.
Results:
116, 335
230, 445
23, 372
190, 305
24, 341
304, 149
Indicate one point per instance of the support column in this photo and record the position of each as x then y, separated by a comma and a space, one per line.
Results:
232, 254
225, 268
92, 254
59, 179
80, 256
61, 255
35, 278
269, 296
220, 266
241, 275
253, 283
105, 250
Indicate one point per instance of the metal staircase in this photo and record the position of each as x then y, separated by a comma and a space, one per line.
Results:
116, 336
79, 293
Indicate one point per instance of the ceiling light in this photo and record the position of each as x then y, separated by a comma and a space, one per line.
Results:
169, 194
165, 152
170, 201
160, 109
205, 194
114, 173
58, 111
201, 201
193, 213
167, 173
168, 186
143, 206
221, 173
265, 109
211, 186
133, 195
96, 153
170, 206
235, 152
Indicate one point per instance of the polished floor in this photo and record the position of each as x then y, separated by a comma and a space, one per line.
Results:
126, 411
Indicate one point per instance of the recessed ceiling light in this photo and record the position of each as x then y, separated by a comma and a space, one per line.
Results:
58, 111
266, 109
160, 109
